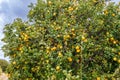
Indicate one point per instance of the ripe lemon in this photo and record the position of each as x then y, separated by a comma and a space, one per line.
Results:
60, 54
115, 59
119, 61
118, 53
83, 38
73, 30
77, 47
57, 68
14, 63
78, 50
49, 2
54, 48
70, 59
114, 42
98, 78
112, 39
113, 14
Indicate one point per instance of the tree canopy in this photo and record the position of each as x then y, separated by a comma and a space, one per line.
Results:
65, 39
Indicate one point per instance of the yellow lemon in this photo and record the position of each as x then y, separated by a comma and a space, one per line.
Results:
78, 50
57, 67
107, 33
70, 8
60, 54
47, 51
119, 61
47, 61
14, 63
47, 48
115, 59
77, 47
105, 12
68, 36
118, 53
61, 47
113, 14
54, 48
73, 30
114, 42
98, 78
83, 38
58, 35
70, 59
49, 2
54, 14
112, 39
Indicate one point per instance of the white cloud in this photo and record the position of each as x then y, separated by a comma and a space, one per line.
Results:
1, 1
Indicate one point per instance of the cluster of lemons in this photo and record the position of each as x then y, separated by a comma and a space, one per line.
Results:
113, 40
60, 54
66, 37
106, 13
78, 49
24, 36
70, 8
34, 69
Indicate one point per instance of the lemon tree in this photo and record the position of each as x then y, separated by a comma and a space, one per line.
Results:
64, 39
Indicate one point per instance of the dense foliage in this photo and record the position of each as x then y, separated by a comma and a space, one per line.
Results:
65, 39
3, 64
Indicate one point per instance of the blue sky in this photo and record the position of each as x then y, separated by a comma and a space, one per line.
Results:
11, 9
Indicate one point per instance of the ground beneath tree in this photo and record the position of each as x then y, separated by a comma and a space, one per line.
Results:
3, 76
